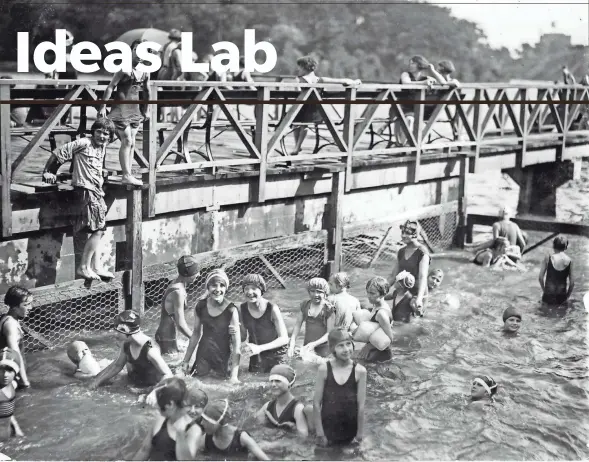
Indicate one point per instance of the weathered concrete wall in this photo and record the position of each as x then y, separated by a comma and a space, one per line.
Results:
49, 257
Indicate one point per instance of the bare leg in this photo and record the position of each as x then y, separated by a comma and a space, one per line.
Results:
85, 269
97, 266
127, 137
300, 134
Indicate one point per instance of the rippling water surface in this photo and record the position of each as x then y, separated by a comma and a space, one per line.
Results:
417, 406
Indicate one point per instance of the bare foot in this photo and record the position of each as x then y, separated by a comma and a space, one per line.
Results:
130, 179
102, 273
295, 153
87, 273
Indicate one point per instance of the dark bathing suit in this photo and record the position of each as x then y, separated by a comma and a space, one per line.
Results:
286, 416
402, 310
555, 287
163, 447
339, 408
141, 371
235, 450
377, 355
411, 265
166, 335
261, 332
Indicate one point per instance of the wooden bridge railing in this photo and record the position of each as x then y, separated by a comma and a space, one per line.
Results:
359, 120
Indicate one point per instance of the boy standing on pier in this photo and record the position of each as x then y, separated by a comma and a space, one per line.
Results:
87, 157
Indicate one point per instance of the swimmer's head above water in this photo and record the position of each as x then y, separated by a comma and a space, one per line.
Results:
483, 387
339, 282
405, 280
409, 231
9, 367
127, 323
215, 416
376, 289
253, 286
434, 279
560, 243
217, 284
318, 289
282, 378
188, 268
505, 213
512, 320
81, 356
340, 344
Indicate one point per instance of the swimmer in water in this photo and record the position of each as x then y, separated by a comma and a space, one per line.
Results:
222, 440
174, 428
284, 411
340, 394
81, 356
556, 274
403, 310
9, 369
483, 387
345, 304
512, 320
434, 279
144, 362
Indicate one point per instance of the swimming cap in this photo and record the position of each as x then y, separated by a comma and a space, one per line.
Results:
73, 350
284, 373
188, 266
254, 280
487, 382
216, 412
342, 280
337, 336
510, 313
9, 358
406, 279
217, 274
127, 322
410, 227
318, 284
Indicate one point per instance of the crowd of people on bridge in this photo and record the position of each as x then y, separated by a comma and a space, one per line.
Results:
223, 333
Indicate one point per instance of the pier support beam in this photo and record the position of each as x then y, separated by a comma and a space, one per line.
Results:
134, 293
539, 183
335, 228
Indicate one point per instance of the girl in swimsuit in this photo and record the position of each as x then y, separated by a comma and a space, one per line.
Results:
174, 305
145, 365
318, 314
164, 441
556, 270
340, 394
264, 326
225, 441
218, 347
483, 388
9, 369
128, 117
19, 301
284, 411
403, 309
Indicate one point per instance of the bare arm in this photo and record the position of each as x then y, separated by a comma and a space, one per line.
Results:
178, 301
543, 268
111, 370
495, 231
147, 91
571, 280
318, 398
282, 338
521, 241
16, 427
253, 447
301, 421
394, 274
248, 78
143, 451
260, 416
423, 270
439, 77
385, 323
194, 338
339, 81
155, 357
361, 397
295, 332
236, 342
187, 443
12, 341
108, 92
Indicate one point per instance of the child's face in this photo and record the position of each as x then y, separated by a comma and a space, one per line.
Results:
407, 236
217, 290
334, 287
477, 391
301, 71
252, 293
7, 375
434, 280
317, 295
278, 387
413, 67
100, 137
374, 295
24, 308
512, 324
344, 350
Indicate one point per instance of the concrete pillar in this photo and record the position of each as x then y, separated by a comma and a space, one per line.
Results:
539, 183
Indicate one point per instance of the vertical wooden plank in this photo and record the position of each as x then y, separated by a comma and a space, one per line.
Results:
462, 231
134, 237
418, 127
150, 150
5, 165
262, 113
477, 128
335, 231
520, 155
349, 127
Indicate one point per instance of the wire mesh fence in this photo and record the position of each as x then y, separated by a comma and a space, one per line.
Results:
62, 314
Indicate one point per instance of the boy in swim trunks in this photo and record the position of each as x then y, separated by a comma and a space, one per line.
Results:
128, 117
87, 156
81, 356
9, 369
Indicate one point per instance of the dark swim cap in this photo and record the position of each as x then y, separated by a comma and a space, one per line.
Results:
510, 313
488, 383
337, 336
127, 322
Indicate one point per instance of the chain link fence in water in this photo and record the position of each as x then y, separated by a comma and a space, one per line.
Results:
63, 313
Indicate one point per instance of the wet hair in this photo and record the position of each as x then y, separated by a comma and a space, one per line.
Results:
341, 279
195, 397
256, 280
173, 391
446, 67
318, 284
422, 63
104, 123
380, 284
560, 243
308, 63
15, 295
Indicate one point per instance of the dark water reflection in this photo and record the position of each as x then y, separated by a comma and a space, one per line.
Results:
417, 406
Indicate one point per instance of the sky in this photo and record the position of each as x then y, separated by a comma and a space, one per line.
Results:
512, 23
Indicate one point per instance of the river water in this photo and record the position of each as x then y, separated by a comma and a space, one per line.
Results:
417, 406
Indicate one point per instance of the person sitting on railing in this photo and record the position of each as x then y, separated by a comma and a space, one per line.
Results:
445, 70
18, 115
19, 301
128, 117
87, 157
310, 113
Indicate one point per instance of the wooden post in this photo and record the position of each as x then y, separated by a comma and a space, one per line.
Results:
462, 232
418, 134
150, 150
476, 125
262, 113
335, 231
135, 247
520, 155
5, 166
349, 128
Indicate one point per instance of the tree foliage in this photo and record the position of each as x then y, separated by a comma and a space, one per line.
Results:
367, 41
